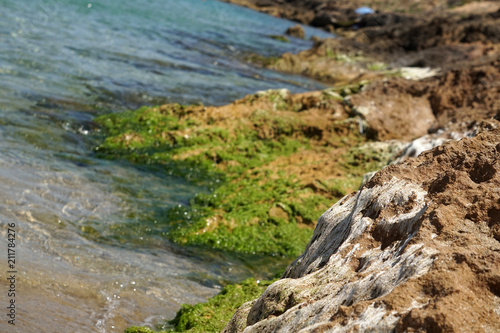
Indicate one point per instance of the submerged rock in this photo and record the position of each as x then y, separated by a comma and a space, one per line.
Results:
416, 249
296, 31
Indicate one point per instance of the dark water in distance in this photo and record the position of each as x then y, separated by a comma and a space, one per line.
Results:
88, 254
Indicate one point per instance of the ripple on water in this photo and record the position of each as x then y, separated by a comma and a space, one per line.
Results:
91, 255
82, 283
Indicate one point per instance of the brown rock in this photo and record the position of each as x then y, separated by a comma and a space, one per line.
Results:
400, 39
392, 112
323, 19
264, 3
278, 213
417, 249
296, 31
468, 94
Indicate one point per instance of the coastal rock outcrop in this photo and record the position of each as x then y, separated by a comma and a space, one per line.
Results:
330, 14
455, 100
417, 248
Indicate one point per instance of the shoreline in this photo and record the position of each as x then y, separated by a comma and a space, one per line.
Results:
329, 139
275, 177
434, 36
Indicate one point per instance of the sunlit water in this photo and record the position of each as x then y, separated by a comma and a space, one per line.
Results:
91, 255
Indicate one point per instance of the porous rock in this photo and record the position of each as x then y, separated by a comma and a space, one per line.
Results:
393, 111
417, 248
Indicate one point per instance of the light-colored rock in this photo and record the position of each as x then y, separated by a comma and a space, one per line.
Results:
418, 73
338, 253
427, 142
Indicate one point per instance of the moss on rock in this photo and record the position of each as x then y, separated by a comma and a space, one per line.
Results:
271, 164
213, 315
255, 156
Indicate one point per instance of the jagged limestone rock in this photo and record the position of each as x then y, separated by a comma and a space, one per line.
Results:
417, 248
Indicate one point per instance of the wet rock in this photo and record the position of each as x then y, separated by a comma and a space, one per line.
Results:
296, 31
416, 249
290, 63
280, 38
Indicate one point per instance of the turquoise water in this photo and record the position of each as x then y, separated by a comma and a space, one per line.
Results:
90, 256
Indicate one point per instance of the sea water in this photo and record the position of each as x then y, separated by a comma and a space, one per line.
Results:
89, 251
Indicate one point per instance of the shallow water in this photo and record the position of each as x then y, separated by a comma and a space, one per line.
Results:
90, 251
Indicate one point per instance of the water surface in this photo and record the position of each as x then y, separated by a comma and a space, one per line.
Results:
91, 253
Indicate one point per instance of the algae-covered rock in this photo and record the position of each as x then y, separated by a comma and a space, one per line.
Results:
272, 162
280, 38
416, 249
296, 31
213, 315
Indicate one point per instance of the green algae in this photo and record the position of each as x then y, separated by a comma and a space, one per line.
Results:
252, 204
369, 157
213, 315
142, 329
151, 135
261, 60
249, 205
345, 90
280, 38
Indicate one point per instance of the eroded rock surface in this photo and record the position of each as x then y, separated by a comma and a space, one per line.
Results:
416, 249
453, 101
388, 106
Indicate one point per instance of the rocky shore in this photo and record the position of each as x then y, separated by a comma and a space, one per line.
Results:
416, 249
404, 252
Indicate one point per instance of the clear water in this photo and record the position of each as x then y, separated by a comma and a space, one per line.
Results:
90, 254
